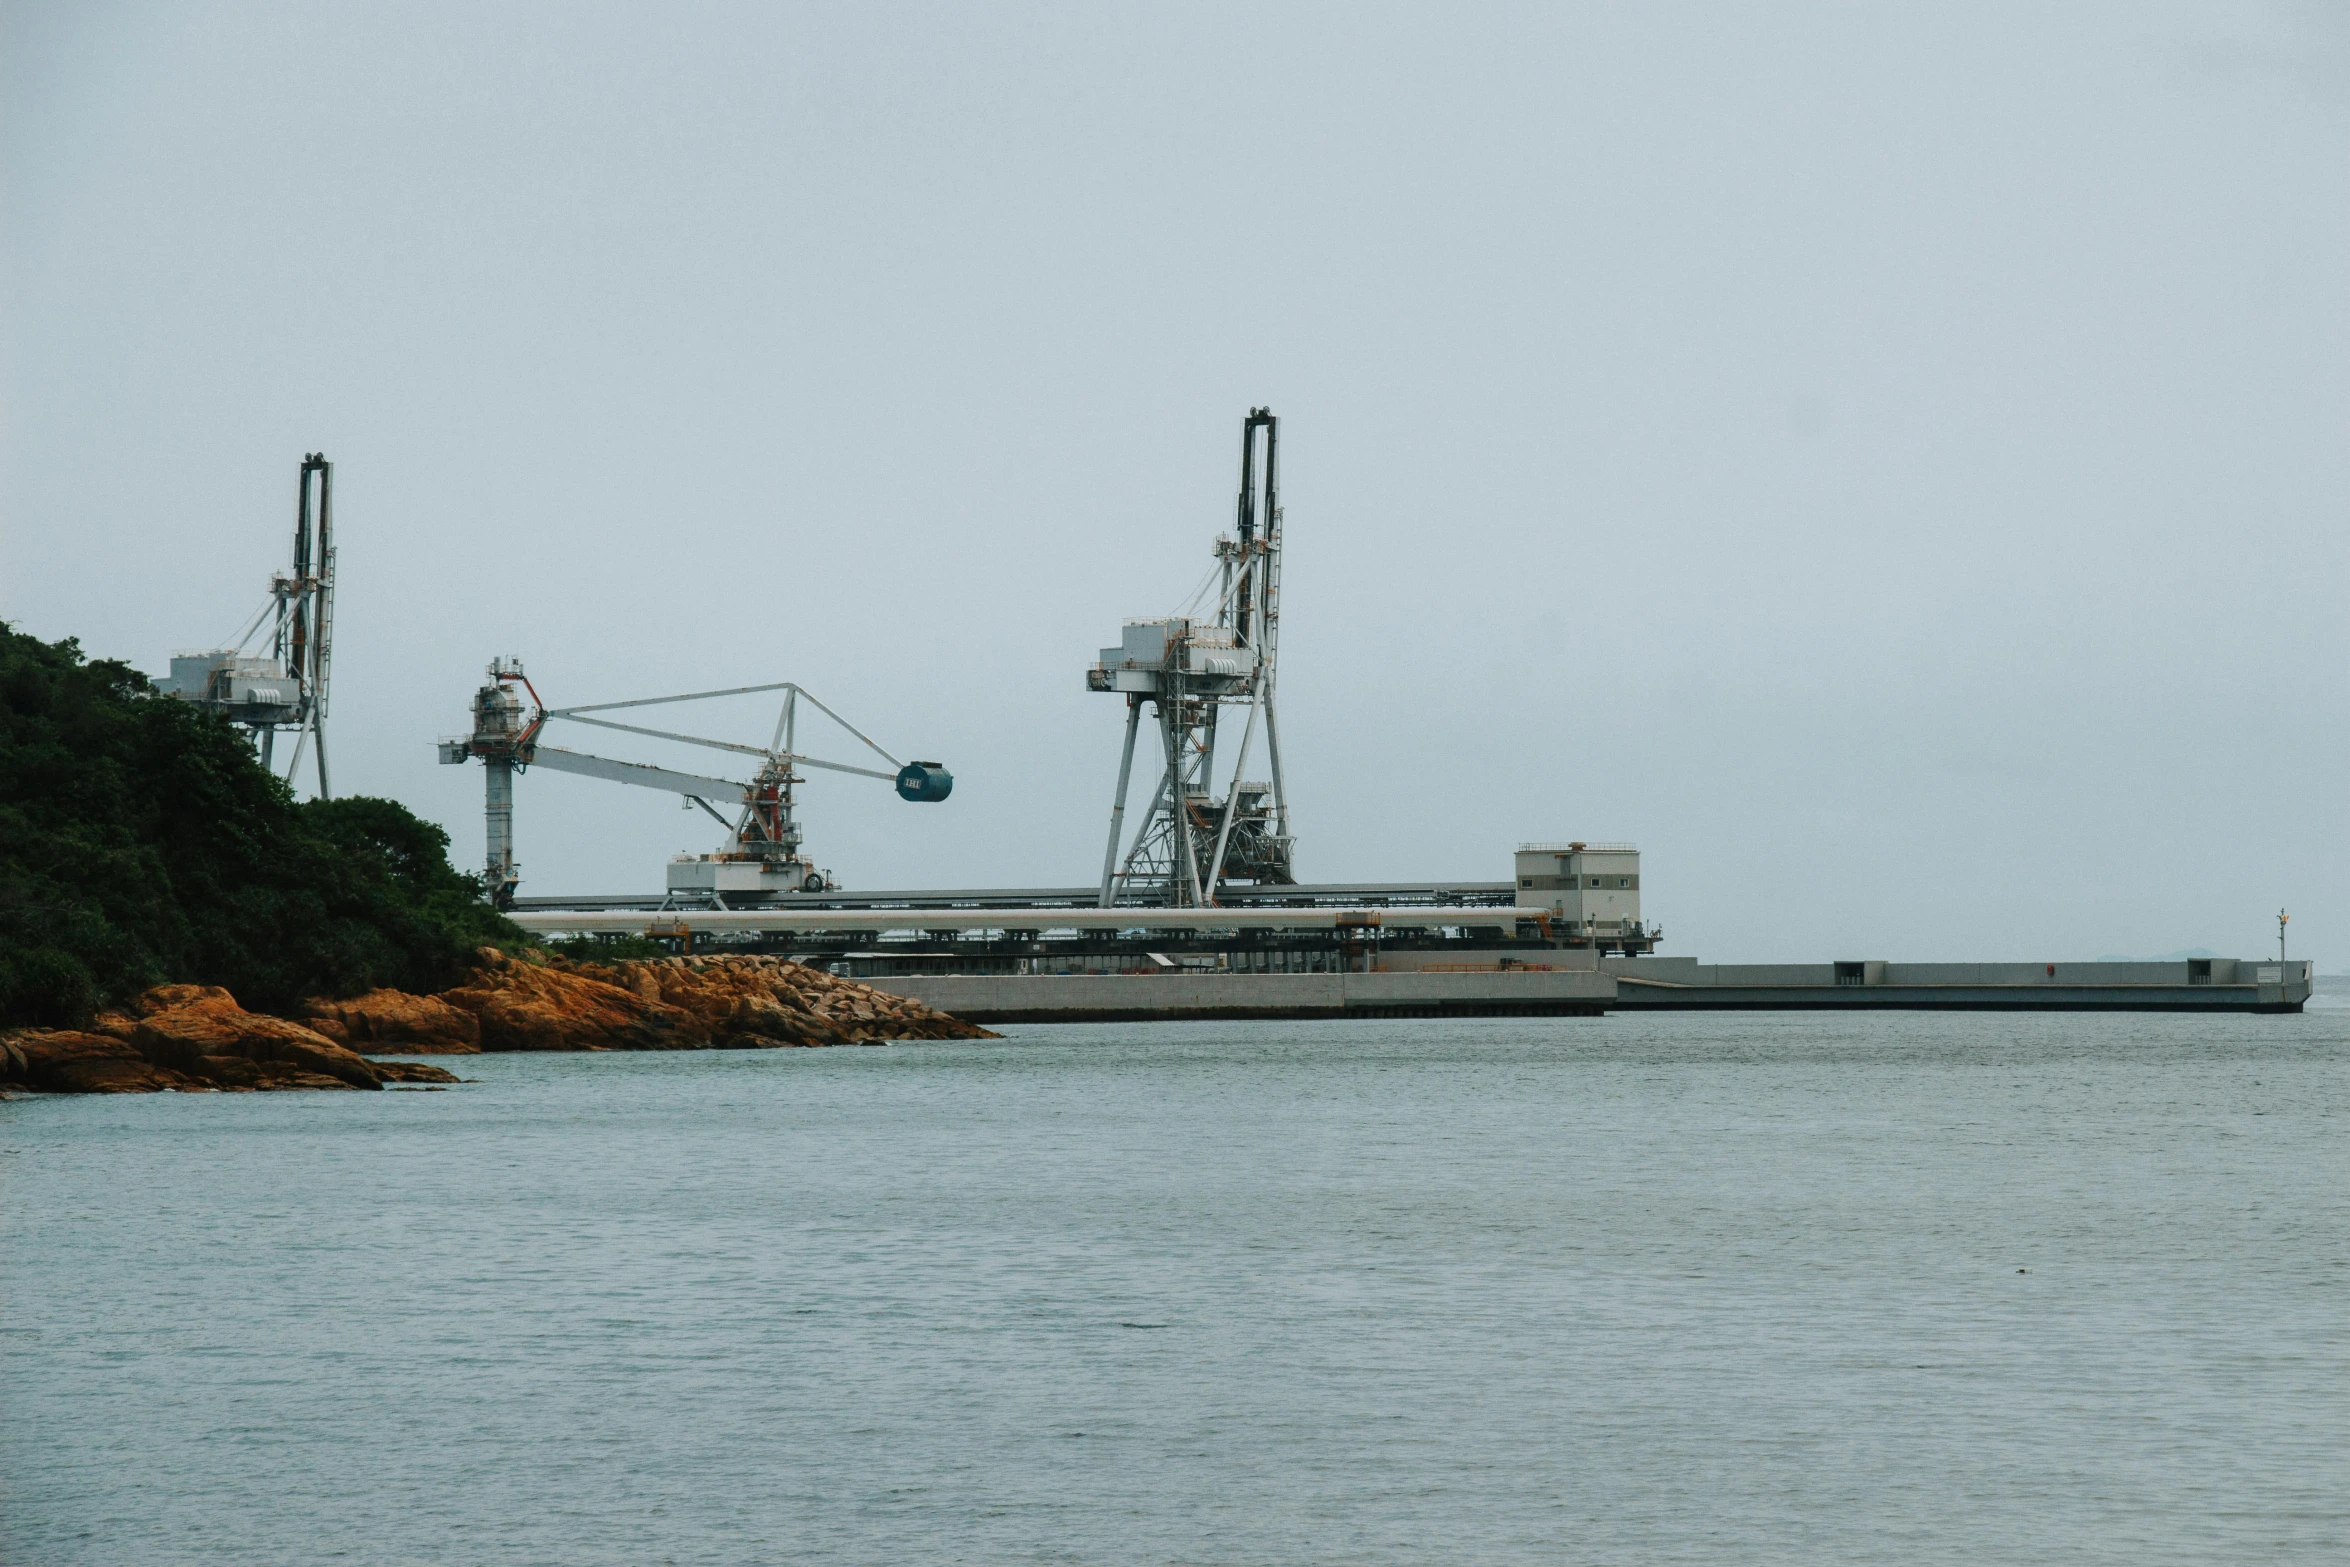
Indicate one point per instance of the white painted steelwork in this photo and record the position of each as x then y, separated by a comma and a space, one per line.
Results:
762, 856
287, 689
1189, 667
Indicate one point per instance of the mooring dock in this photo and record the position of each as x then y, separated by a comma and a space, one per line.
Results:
998, 963
1620, 985
1179, 995
1198, 912
2189, 985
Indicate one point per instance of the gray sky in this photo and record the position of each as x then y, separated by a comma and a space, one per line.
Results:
1888, 461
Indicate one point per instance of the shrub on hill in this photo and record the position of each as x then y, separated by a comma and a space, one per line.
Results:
142, 843
607, 949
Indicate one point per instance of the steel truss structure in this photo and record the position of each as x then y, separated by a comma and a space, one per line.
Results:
1190, 843
287, 688
761, 858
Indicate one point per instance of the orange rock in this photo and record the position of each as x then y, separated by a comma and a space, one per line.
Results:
760, 1018
414, 1072
67, 1061
389, 1019
168, 998
205, 1042
234, 1074
115, 1076
528, 1006
179, 1037
774, 998
684, 1004
196, 1036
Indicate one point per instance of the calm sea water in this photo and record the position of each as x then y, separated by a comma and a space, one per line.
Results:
1636, 1289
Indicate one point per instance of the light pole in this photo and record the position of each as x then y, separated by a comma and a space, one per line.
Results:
2282, 916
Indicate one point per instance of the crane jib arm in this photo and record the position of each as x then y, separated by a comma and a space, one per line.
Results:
638, 773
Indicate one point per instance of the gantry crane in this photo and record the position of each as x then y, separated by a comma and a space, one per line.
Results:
1190, 667
761, 859
287, 688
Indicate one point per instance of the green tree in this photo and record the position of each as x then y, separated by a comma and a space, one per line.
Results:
142, 843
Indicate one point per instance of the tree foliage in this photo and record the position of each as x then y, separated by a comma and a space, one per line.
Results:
608, 949
142, 843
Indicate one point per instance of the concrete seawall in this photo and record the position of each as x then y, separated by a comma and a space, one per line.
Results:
1643, 984
1118, 998
990, 960
2213, 985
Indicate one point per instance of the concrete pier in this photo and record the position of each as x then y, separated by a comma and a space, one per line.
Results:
1012, 964
1127, 998
2197, 985
1619, 985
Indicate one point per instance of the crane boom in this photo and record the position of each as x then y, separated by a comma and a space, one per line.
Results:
762, 857
639, 773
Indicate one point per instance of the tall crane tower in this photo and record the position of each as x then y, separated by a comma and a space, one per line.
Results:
1189, 668
284, 689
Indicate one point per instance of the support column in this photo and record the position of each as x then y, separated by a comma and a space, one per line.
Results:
498, 820
1118, 808
1231, 804
1186, 882
1280, 787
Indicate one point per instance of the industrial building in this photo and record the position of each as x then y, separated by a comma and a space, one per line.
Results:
1199, 911
1590, 889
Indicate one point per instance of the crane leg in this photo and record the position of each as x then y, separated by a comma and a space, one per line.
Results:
1118, 807
498, 814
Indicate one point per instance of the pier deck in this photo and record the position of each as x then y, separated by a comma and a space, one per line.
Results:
986, 960
2207, 985
1129, 998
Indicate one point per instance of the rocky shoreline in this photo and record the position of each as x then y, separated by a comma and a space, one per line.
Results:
196, 1038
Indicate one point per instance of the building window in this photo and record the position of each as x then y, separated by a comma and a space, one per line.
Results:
1623, 881
1526, 881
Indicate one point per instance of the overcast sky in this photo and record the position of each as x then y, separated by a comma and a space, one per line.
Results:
1888, 461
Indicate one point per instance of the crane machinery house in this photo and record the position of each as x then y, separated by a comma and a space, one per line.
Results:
284, 689
1591, 888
